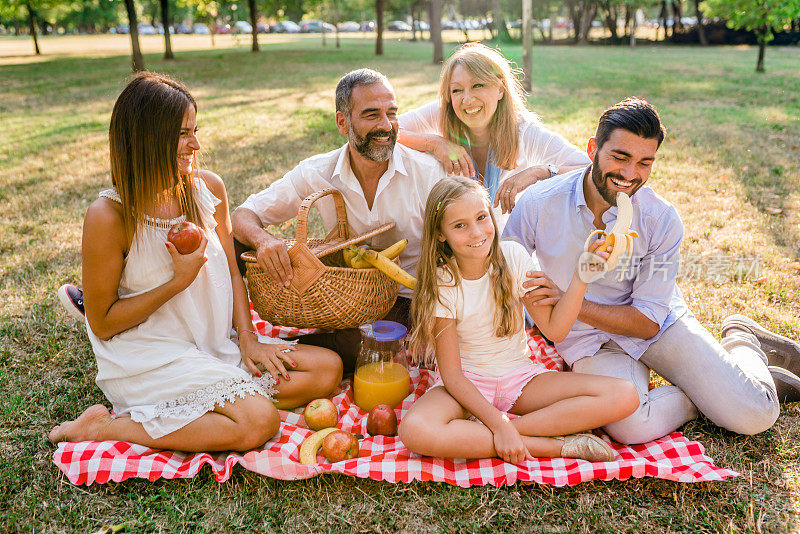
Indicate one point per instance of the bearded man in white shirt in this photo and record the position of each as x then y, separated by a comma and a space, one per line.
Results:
380, 181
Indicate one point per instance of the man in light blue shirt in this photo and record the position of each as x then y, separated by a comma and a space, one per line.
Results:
634, 318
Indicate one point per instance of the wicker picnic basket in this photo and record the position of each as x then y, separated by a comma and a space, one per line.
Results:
322, 295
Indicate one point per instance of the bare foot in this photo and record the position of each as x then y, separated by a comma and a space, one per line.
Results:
89, 426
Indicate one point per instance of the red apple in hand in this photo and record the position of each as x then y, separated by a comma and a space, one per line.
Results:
340, 445
382, 421
186, 237
320, 413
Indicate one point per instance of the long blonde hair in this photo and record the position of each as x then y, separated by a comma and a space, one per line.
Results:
143, 140
435, 253
487, 66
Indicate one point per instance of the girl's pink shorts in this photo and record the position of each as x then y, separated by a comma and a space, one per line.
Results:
501, 391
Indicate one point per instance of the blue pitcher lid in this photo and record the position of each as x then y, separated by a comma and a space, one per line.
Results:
384, 330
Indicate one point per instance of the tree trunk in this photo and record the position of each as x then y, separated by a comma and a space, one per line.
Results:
251, 4
614, 19
628, 11
379, 27
575, 14
701, 30
663, 17
527, 62
677, 15
137, 61
463, 26
435, 21
497, 16
413, 23
165, 21
634, 25
502, 31
762, 45
32, 25
586, 23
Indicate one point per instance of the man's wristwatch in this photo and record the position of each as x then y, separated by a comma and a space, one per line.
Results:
553, 170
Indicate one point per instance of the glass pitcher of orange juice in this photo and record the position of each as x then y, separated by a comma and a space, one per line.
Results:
382, 369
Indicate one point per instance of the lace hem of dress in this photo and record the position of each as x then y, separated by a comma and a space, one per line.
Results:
203, 400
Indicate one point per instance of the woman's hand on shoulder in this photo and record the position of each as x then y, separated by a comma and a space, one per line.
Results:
187, 266
512, 186
454, 158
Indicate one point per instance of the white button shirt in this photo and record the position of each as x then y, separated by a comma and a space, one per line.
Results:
400, 198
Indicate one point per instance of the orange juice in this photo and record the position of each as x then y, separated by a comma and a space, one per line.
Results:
380, 383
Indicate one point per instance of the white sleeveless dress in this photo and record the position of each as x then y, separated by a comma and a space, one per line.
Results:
181, 362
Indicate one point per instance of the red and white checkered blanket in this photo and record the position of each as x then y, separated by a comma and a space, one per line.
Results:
385, 458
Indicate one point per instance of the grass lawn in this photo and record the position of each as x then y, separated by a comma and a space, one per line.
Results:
730, 165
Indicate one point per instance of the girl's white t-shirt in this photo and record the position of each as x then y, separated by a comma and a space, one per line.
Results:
471, 303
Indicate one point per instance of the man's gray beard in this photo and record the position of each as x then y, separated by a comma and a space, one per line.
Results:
362, 146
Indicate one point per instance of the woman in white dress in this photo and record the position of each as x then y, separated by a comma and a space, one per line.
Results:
161, 322
480, 128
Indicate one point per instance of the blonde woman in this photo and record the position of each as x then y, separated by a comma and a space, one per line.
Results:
467, 312
480, 128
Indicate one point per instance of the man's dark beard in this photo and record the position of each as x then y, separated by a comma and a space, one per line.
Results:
601, 180
362, 144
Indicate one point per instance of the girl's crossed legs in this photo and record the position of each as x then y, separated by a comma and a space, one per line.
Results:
551, 404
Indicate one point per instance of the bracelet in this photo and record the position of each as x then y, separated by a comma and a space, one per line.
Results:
240, 330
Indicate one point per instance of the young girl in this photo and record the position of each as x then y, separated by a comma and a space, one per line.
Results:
159, 321
467, 311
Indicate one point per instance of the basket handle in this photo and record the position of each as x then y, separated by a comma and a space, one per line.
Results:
302, 214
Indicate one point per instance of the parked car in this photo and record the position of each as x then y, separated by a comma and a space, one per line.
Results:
222, 28
285, 26
316, 26
421, 25
146, 29
123, 28
241, 26
398, 26
262, 27
368, 26
182, 29
449, 25
349, 26
201, 29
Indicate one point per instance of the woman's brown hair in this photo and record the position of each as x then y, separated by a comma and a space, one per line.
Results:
487, 66
143, 141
